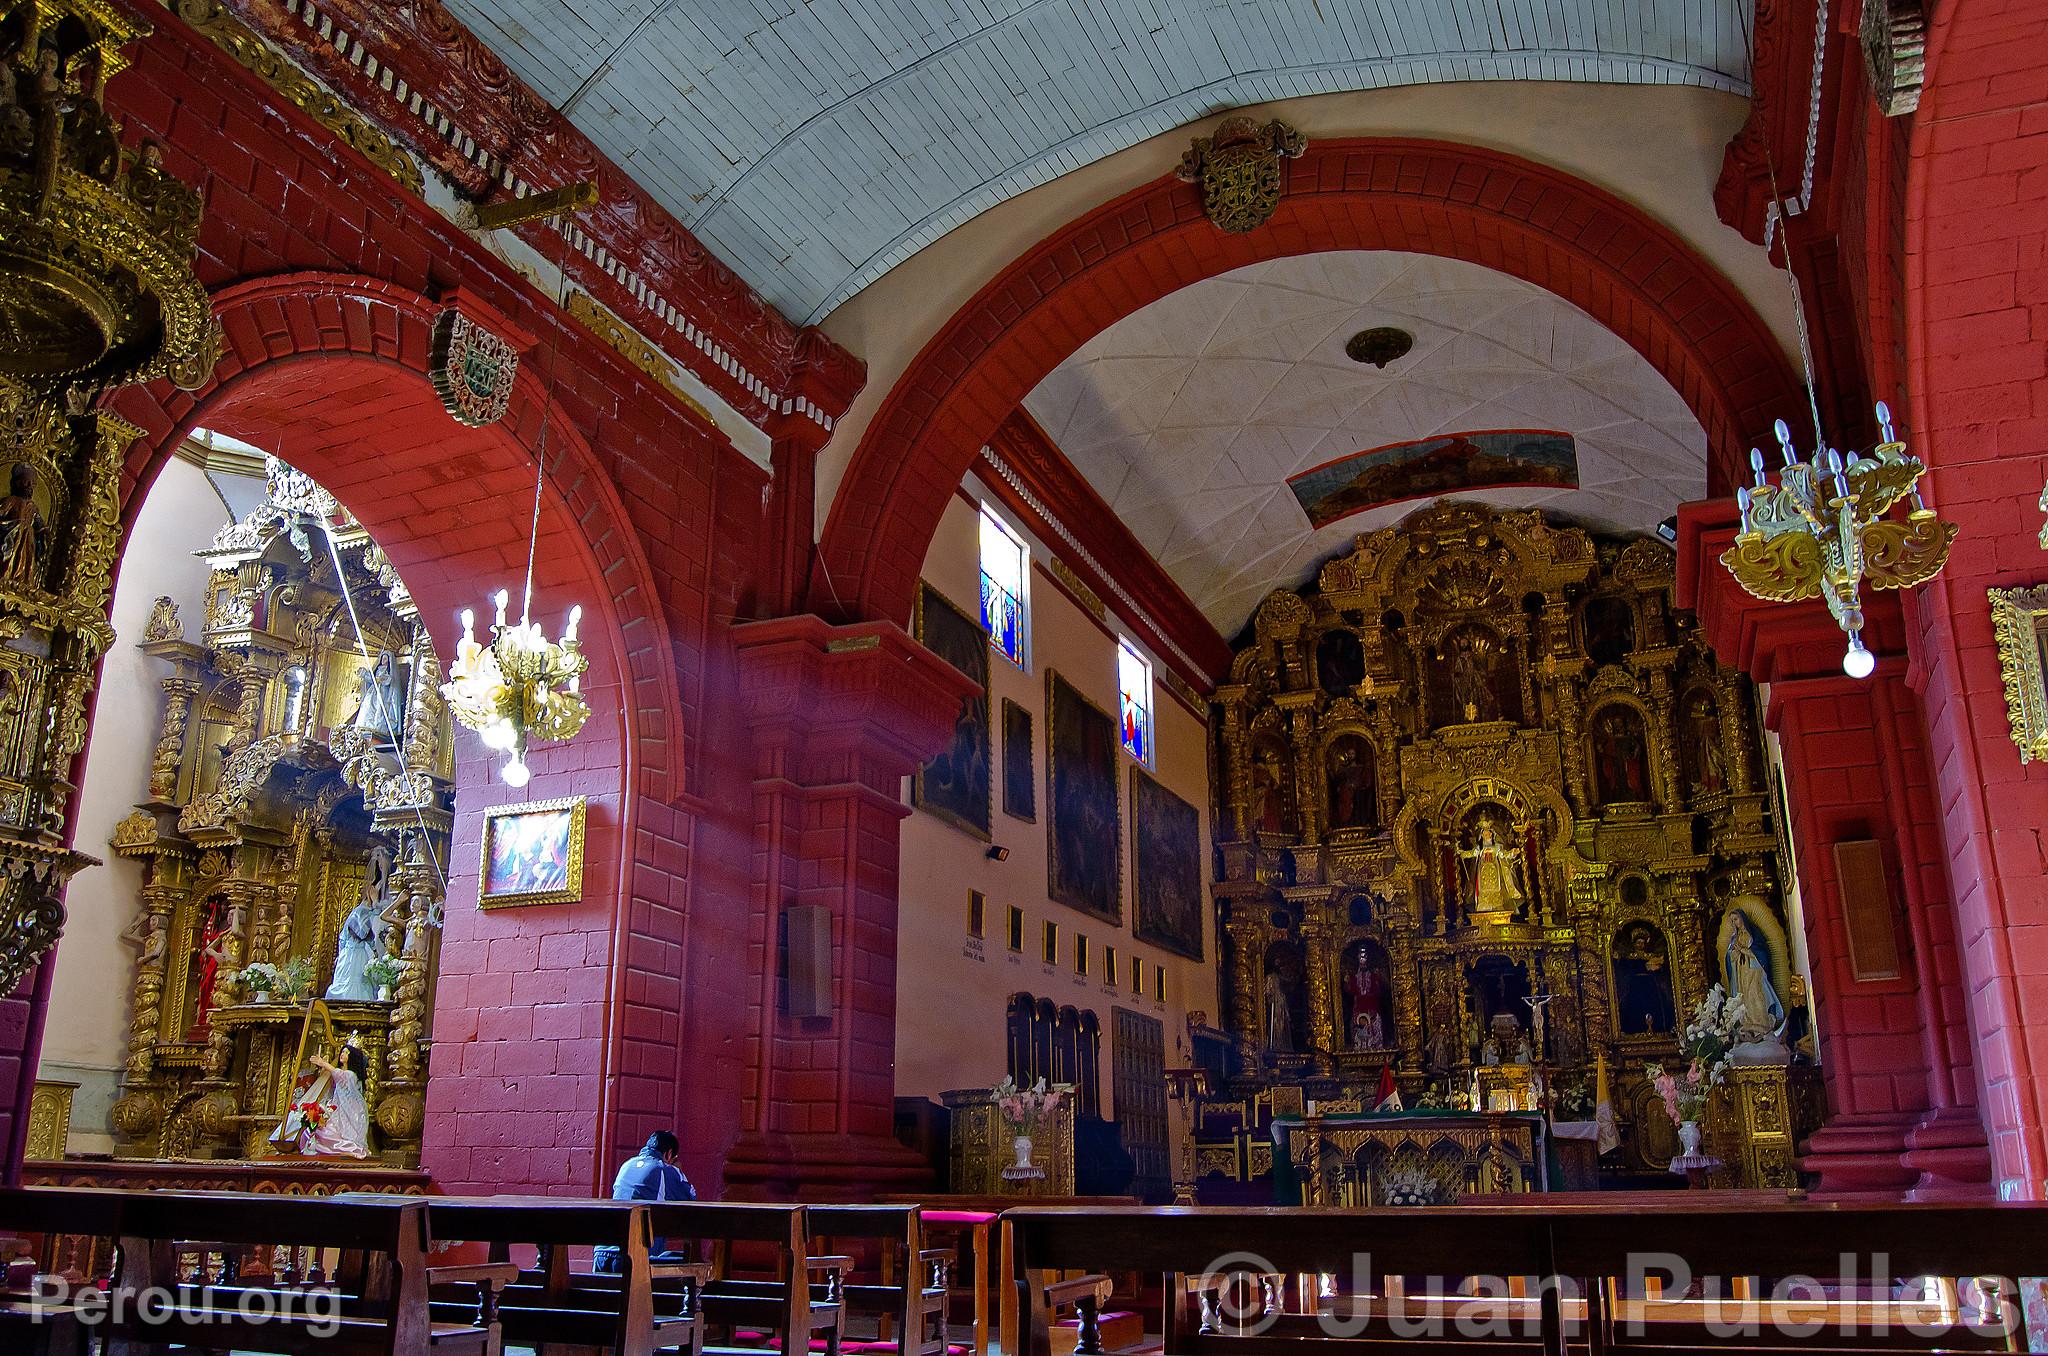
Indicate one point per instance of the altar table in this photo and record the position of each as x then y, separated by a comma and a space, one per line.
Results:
1409, 1157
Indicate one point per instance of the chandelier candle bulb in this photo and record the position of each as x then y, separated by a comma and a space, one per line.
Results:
520, 687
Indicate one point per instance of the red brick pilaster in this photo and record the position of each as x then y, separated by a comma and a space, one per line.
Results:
1896, 1053
839, 715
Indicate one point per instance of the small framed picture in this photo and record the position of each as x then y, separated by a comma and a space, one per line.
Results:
533, 854
2020, 618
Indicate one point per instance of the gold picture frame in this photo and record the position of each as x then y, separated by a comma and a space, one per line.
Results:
533, 854
2020, 619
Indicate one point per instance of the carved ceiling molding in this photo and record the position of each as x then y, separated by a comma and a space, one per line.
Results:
417, 73
1786, 104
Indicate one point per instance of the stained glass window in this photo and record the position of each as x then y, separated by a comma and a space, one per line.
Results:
1003, 560
1134, 699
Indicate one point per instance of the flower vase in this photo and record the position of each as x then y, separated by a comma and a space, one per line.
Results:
259, 995
383, 993
1689, 1138
1023, 1170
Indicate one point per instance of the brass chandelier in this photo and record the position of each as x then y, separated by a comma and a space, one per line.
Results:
521, 686
1824, 529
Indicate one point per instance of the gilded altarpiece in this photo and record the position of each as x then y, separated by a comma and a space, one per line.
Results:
298, 812
1483, 760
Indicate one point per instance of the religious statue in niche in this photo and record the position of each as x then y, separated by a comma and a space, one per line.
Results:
23, 529
1284, 998
1746, 973
1354, 793
378, 707
1621, 759
1699, 728
1368, 996
1269, 788
217, 930
327, 1115
1493, 869
1610, 629
1474, 679
1340, 663
1643, 1003
362, 933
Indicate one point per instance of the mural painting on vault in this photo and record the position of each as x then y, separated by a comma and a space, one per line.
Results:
1450, 464
1491, 814
293, 845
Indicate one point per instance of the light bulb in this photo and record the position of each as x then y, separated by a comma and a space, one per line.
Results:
516, 773
1858, 662
468, 624
501, 598
575, 616
499, 735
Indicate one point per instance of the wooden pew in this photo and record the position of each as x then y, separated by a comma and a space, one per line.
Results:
910, 1297
1739, 1256
796, 1306
1264, 1246
386, 1316
27, 1324
557, 1310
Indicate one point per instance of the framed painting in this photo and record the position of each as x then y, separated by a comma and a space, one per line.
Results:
1020, 780
955, 786
2020, 619
1084, 829
533, 853
1166, 868
1453, 463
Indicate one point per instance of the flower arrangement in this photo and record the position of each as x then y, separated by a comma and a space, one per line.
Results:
289, 982
1024, 1108
385, 971
1713, 1030
312, 1114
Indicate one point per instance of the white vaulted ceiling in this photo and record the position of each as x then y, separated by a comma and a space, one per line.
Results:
1189, 415
814, 144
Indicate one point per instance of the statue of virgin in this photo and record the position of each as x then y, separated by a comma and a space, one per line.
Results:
362, 934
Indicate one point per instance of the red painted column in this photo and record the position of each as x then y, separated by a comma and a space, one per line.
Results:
1897, 1055
839, 715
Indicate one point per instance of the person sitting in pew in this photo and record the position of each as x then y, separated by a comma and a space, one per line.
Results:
650, 1175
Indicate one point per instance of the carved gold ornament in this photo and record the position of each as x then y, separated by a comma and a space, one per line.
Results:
1822, 531
2019, 617
472, 370
1238, 168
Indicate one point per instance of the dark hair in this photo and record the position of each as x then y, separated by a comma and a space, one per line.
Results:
661, 1144
356, 1062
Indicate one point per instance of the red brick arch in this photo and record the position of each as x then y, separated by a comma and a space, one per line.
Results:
1590, 248
330, 370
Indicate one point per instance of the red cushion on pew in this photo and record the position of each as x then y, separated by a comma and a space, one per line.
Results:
889, 1349
956, 1216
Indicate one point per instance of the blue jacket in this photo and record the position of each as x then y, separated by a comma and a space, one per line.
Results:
644, 1177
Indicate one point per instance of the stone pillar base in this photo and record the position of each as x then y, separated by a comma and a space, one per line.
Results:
1860, 1158
771, 1167
1949, 1151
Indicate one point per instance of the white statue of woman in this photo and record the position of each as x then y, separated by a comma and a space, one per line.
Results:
377, 710
327, 1115
362, 934
1494, 871
1744, 973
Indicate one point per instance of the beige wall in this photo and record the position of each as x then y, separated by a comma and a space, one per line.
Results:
952, 991
1658, 147
86, 1039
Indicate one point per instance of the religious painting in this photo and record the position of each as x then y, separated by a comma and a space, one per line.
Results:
1643, 1002
1621, 755
1166, 868
1367, 978
1352, 776
1340, 662
2019, 617
1700, 755
1755, 967
533, 853
955, 785
1084, 831
1449, 464
1020, 782
1610, 628
26, 512
1474, 678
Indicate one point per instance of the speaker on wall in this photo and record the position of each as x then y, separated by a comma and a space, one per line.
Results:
807, 960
